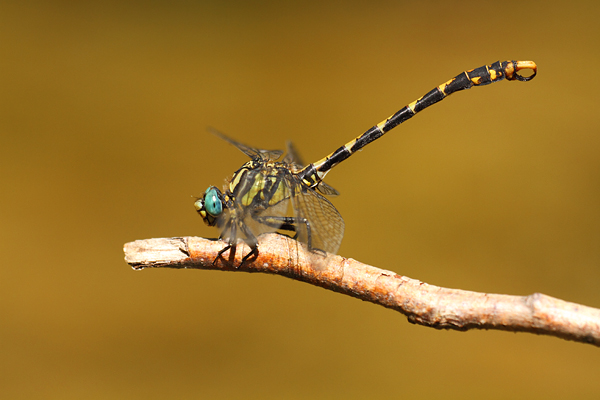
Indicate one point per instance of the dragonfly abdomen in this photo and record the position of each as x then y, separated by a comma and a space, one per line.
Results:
481, 76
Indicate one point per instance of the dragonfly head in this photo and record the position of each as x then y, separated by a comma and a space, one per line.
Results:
210, 206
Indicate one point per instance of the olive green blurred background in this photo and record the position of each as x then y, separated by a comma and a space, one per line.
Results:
103, 115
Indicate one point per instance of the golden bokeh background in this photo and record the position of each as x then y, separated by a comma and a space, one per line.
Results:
103, 115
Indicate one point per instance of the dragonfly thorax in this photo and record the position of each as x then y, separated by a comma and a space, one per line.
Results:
258, 185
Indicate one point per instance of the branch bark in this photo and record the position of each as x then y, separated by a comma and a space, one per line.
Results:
423, 304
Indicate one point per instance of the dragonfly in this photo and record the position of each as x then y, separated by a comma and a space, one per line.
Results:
258, 197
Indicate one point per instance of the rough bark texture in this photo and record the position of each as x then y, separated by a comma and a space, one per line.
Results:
423, 304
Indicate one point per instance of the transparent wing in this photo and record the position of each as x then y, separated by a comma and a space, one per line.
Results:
325, 228
326, 189
292, 156
247, 150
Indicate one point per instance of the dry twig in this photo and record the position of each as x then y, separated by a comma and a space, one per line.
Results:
423, 304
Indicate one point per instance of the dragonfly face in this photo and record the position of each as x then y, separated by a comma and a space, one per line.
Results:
210, 206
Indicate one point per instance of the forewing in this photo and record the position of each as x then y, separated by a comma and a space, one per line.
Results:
247, 150
292, 156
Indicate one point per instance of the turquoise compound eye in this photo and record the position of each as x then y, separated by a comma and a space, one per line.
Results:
212, 202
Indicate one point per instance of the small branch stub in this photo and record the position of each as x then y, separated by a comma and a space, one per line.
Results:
423, 304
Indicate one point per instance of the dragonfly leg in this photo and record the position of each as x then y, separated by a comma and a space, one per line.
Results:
290, 224
284, 223
223, 250
231, 240
251, 241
